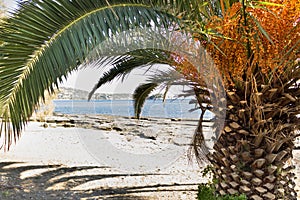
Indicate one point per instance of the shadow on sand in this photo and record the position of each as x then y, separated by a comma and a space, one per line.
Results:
60, 182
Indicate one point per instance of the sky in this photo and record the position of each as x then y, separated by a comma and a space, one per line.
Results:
10, 4
86, 79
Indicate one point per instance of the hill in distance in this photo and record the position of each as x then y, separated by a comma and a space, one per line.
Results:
77, 94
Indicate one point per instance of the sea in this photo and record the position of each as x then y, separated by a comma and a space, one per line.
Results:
171, 108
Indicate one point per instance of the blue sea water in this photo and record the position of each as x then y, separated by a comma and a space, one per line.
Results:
152, 108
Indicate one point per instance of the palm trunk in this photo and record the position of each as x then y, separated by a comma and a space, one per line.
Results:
248, 164
254, 151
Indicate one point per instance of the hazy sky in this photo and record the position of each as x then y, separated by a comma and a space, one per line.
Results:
10, 3
87, 78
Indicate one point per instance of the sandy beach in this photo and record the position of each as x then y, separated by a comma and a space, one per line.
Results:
101, 157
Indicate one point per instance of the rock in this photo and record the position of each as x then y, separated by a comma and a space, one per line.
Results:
234, 125
225, 161
68, 125
270, 158
129, 138
135, 132
144, 118
148, 134
280, 155
246, 156
232, 149
104, 127
58, 120
117, 128
224, 151
258, 153
130, 124
233, 167
227, 129
53, 125
181, 141
244, 132
235, 177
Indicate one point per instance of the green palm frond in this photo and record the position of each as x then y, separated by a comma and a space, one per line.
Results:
159, 79
119, 71
45, 40
123, 65
140, 95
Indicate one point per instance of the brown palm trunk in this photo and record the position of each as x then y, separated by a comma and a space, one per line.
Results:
248, 164
254, 151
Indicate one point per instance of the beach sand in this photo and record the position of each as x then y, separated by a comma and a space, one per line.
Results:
79, 163
103, 157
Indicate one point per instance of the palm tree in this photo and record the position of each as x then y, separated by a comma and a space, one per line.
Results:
261, 115
252, 153
261, 120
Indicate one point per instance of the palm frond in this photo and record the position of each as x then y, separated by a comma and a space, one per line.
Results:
140, 95
126, 63
158, 79
45, 40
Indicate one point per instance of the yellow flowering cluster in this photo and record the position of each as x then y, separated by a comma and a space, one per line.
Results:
269, 39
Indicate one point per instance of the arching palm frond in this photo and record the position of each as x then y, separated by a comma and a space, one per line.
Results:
140, 95
123, 65
162, 80
45, 40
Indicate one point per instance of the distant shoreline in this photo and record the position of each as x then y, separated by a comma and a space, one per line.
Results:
77, 94
65, 93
